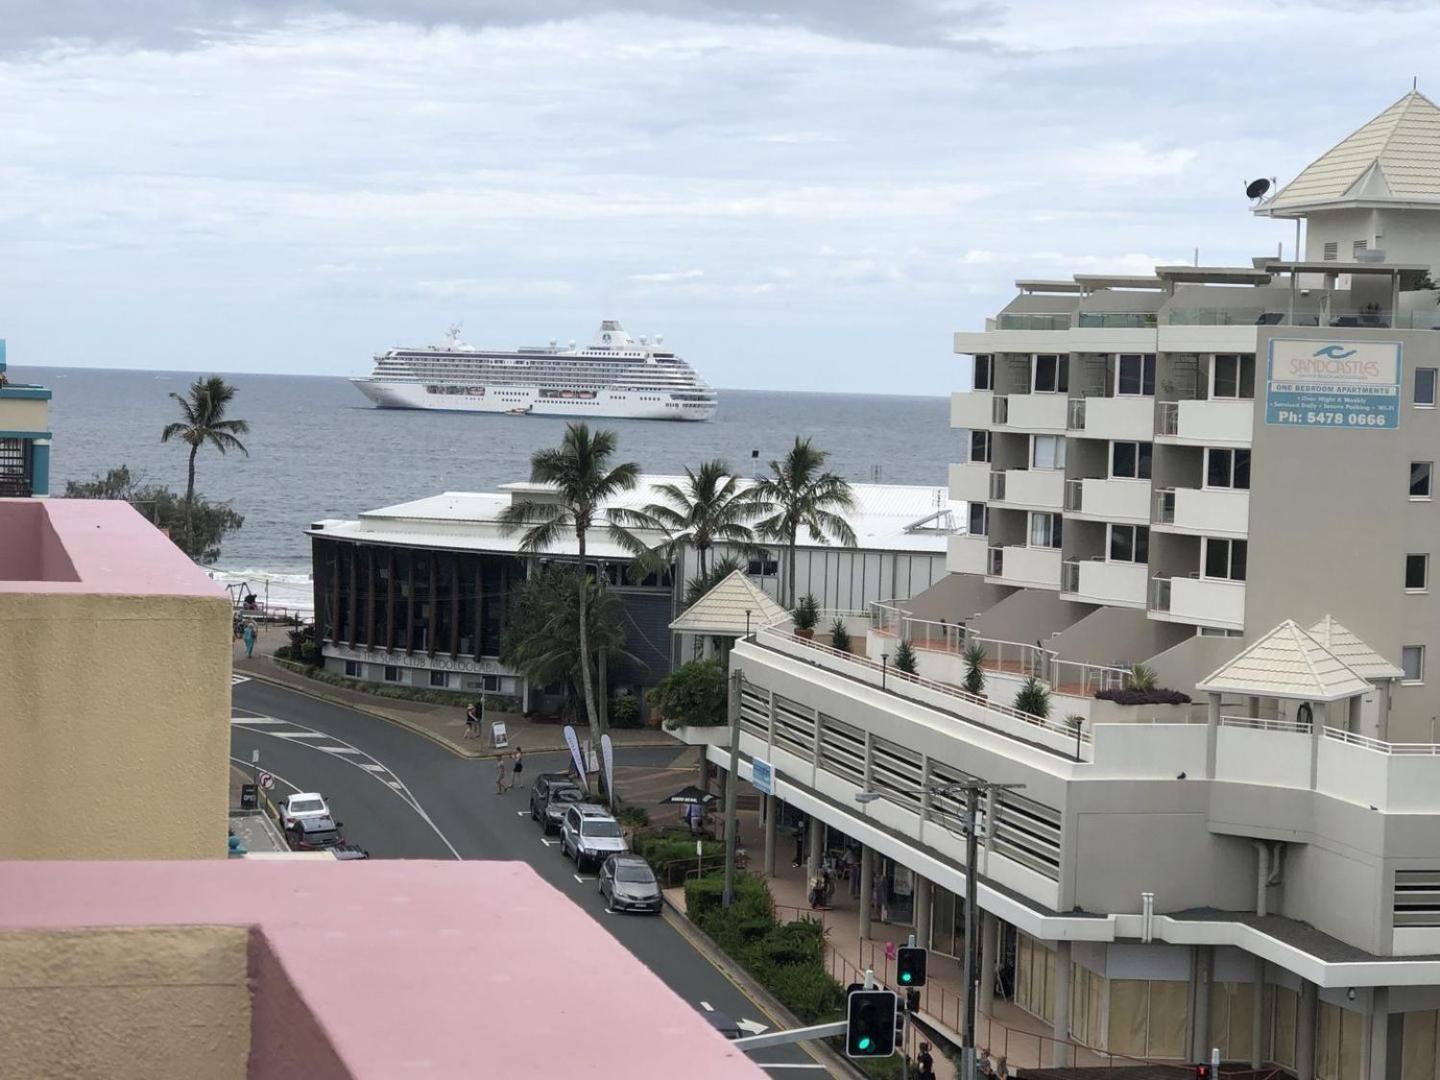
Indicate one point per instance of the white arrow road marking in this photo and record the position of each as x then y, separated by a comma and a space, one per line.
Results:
300, 734
256, 720
707, 1006
582, 880
236, 680
522, 813
754, 1027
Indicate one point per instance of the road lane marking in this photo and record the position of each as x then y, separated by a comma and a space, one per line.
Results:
522, 813
256, 720
549, 843
707, 1006
236, 680
298, 734
369, 766
789, 1065
582, 880
248, 766
754, 1027
341, 750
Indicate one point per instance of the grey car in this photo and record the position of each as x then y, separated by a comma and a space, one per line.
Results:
559, 799
627, 884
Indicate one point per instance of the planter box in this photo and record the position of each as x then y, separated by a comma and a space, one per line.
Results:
719, 735
1108, 712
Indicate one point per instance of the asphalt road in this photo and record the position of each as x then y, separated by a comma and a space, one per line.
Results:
402, 796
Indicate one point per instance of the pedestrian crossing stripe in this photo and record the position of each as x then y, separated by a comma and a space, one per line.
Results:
236, 680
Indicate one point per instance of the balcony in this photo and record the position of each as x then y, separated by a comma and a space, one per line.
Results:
1199, 601
972, 409
1203, 511
1096, 581
1032, 412
967, 554
1100, 499
1024, 567
1126, 417
1214, 422
1031, 489
970, 482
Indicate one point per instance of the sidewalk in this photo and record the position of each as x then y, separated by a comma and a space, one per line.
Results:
444, 724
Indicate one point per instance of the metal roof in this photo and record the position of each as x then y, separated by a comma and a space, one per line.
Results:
1286, 663
1395, 158
1037, 285
1091, 282
722, 611
1215, 275
1347, 646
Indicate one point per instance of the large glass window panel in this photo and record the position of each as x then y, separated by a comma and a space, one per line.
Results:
1420, 479
1226, 379
1425, 386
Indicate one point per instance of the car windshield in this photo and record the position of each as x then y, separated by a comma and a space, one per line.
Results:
568, 794
635, 873
306, 806
600, 828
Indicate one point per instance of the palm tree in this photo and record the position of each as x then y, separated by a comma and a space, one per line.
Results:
800, 495
709, 507
583, 478
203, 409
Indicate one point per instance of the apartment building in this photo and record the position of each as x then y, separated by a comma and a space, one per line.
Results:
1226, 473
24, 437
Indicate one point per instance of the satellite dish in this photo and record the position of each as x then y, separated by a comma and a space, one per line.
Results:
1256, 189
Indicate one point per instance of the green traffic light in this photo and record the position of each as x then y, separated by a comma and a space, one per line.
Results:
864, 1043
906, 977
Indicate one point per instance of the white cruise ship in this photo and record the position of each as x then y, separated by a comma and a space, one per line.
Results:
614, 376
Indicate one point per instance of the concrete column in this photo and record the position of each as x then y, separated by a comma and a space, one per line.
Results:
1252, 707
1378, 1034
772, 812
702, 777
1212, 734
40, 468
922, 912
867, 888
1305, 1024
1061, 1029
989, 960
812, 848
707, 647
1258, 1040
1202, 961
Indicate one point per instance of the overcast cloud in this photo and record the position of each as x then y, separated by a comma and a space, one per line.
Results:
808, 195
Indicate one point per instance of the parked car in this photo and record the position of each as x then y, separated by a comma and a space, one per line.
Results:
547, 804
589, 835
314, 833
628, 884
302, 804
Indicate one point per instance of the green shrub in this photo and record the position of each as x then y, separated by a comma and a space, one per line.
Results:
806, 613
798, 942
975, 669
625, 712
1033, 698
807, 990
1140, 677
672, 855
703, 897
694, 694
637, 817
839, 636
905, 657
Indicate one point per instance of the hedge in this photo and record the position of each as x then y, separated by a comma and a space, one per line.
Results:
672, 854
1144, 697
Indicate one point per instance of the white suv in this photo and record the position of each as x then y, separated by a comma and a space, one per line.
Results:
590, 835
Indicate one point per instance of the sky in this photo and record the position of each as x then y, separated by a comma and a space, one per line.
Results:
806, 195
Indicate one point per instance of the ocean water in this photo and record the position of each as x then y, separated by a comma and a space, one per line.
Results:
318, 449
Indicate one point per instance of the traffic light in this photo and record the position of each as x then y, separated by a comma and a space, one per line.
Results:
1203, 1072
870, 1023
910, 963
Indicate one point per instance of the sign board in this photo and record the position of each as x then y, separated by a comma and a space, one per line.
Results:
1315, 383
267, 781
249, 797
498, 736
607, 755
574, 744
762, 776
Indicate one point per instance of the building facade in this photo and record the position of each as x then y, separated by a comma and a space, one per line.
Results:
24, 437
1227, 474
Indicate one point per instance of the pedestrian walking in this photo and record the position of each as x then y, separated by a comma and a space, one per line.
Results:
799, 840
499, 774
519, 766
248, 634
925, 1063
472, 723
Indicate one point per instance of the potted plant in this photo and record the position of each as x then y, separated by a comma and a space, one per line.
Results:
839, 636
1140, 677
806, 615
905, 657
975, 669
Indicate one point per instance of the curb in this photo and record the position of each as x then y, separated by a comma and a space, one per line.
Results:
835, 1064
438, 740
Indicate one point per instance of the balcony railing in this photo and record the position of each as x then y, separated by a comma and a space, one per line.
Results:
1164, 513
1035, 321
1000, 409
1070, 572
1255, 316
1169, 422
1257, 724
1076, 421
13, 486
997, 487
1118, 320
1074, 496
996, 562
1160, 592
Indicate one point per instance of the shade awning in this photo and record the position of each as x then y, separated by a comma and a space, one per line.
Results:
733, 608
1286, 663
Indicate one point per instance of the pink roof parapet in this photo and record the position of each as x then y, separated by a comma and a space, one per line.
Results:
91, 546
403, 968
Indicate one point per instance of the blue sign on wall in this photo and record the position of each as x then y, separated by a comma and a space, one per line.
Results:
1315, 383
762, 776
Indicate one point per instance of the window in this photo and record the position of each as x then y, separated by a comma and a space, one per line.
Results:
440, 679
984, 372
979, 524
1227, 469
1045, 530
1425, 388
1420, 479
392, 673
763, 567
1135, 374
1358, 248
1228, 376
980, 446
1332, 250
1047, 451
1129, 543
1130, 460
1417, 573
491, 684
1225, 559
1412, 660
352, 669
1052, 374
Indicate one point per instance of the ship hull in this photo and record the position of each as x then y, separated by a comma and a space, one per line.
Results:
651, 405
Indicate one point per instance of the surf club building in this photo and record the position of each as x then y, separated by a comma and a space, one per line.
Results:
1226, 474
24, 437
419, 594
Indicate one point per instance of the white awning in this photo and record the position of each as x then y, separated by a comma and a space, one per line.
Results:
1286, 663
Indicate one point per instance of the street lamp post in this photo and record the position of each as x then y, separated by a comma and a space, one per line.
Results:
732, 783
884, 667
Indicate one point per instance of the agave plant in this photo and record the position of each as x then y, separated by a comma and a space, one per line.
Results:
905, 657
1140, 677
1033, 698
975, 657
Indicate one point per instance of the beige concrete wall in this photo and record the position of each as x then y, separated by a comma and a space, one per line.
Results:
148, 1004
24, 414
114, 726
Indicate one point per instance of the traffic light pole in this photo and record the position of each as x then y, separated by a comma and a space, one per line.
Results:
972, 931
732, 786
794, 1035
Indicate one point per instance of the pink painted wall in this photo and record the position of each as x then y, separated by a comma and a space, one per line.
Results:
409, 968
30, 550
285, 1042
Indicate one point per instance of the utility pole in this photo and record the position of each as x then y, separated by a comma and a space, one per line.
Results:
732, 784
